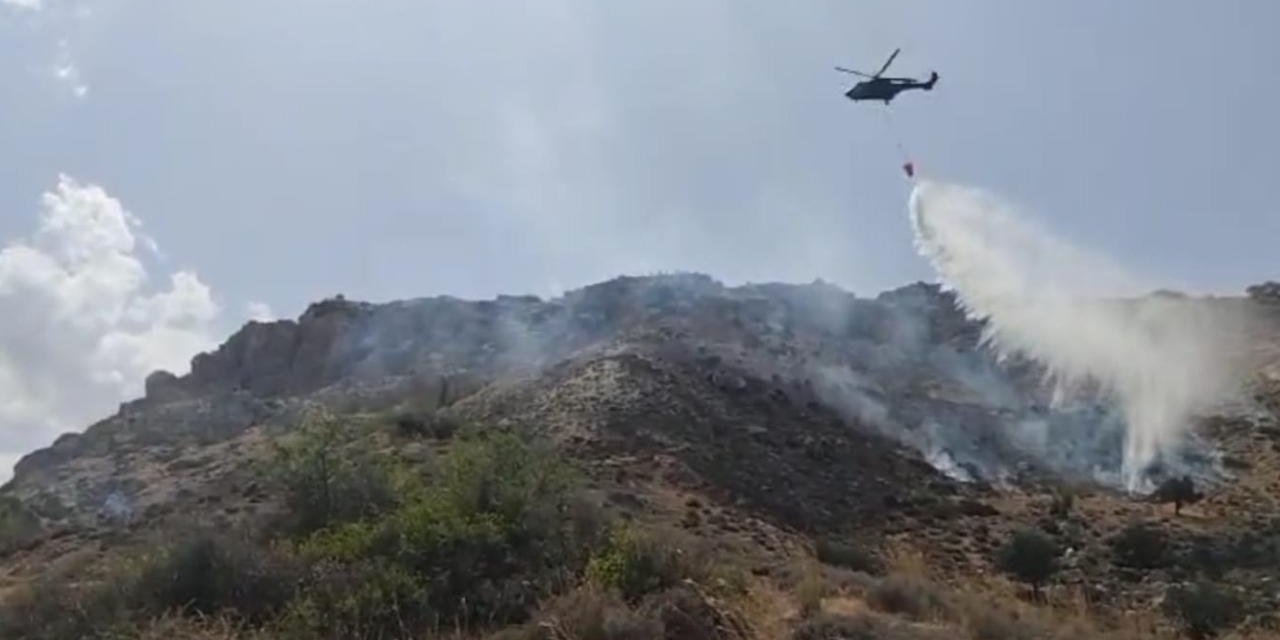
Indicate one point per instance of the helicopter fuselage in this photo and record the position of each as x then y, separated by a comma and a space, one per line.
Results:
887, 89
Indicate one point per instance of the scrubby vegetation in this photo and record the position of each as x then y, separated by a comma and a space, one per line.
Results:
493, 535
495, 532
1141, 546
1204, 608
18, 525
848, 556
1031, 557
326, 478
369, 548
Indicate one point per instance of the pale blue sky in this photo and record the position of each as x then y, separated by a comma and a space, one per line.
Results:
290, 149
286, 150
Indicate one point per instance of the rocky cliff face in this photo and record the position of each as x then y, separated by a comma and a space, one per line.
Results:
904, 367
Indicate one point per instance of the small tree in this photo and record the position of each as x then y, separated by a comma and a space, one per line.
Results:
1203, 609
1179, 491
1031, 557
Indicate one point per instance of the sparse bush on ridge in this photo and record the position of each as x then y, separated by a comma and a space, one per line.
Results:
1031, 557
1141, 546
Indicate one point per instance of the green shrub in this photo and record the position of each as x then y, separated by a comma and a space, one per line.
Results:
56, 608
1203, 609
207, 574
495, 534
18, 525
636, 565
203, 575
838, 554
1029, 556
327, 478
1141, 546
367, 600
504, 476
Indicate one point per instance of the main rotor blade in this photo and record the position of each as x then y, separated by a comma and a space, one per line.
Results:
856, 73
888, 62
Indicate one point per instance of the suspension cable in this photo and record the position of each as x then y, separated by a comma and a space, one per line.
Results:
907, 165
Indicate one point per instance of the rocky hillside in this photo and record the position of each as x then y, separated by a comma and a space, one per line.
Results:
762, 418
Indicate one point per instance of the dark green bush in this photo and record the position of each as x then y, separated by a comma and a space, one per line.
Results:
203, 574
433, 424
838, 554
1141, 546
1180, 491
18, 525
1203, 609
56, 608
1029, 556
207, 574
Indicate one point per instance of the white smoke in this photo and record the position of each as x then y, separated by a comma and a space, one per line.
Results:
1162, 358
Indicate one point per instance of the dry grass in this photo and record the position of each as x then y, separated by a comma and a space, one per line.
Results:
171, 627
907, 560
911, 596
811, 589
766, 611
588, 613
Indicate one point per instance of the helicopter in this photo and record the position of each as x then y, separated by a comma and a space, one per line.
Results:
876, 87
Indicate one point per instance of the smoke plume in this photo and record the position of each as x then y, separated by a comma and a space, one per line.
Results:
1160, 358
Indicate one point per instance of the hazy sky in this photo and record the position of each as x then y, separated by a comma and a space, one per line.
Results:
168, 169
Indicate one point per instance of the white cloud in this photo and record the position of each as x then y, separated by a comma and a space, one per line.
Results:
82, 324
67, 73
30, 5
259, 312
